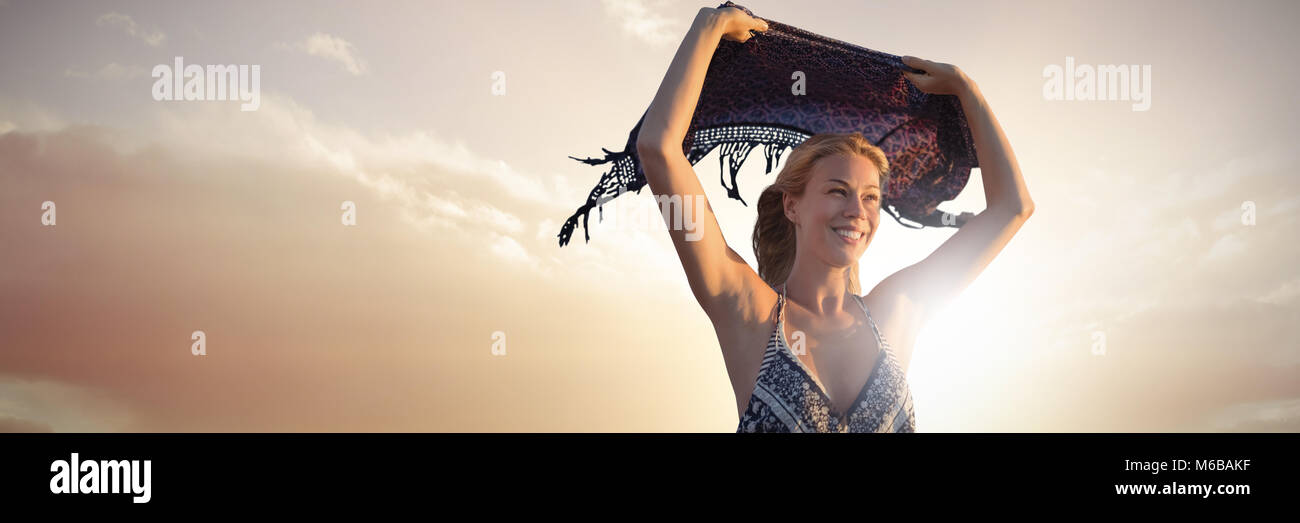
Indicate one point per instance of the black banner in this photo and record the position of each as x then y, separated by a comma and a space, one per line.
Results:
330, 470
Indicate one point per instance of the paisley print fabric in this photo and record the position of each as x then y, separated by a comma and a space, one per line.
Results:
749, 101
786, 397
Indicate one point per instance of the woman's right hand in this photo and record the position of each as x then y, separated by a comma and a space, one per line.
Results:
734, 23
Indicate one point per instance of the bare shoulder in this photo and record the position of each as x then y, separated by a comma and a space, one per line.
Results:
897, 317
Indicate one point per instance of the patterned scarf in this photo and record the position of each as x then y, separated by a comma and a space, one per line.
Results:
748, 100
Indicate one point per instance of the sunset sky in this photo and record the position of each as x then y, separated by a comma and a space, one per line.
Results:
179, 216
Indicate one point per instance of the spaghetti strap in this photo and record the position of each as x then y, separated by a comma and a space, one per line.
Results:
780, 307
872, 321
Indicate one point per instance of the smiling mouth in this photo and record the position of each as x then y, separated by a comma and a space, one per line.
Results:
849, 236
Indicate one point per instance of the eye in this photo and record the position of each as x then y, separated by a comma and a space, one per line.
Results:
873, 197
840, 190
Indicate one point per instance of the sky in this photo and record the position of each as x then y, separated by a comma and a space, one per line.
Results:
1153, 290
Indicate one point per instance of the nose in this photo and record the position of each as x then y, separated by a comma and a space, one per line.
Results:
858, 209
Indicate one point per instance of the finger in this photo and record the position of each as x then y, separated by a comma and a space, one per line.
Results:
916, 63
759, 24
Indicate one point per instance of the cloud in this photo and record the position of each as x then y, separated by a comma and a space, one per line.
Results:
642, 21
26, 116
1283, 294
438, 186
507, 248
112, 71
299, 310
43, 405
12, 425
1150, 237
228, 222
334, 49
437, 182
1279, 415
153, 37
1226, 247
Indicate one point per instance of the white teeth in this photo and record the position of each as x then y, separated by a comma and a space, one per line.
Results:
848, 234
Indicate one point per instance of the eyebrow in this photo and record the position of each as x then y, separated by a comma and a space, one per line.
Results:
846, 184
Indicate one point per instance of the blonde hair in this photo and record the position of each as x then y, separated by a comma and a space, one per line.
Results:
774, 234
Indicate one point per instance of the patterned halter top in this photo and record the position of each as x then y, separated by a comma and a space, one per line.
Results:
787, 398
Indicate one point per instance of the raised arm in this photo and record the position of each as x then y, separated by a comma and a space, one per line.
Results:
918, 291
717, 275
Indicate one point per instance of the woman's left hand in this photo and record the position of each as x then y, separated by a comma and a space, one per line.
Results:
938, 78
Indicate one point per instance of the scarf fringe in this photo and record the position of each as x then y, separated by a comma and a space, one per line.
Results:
735, 143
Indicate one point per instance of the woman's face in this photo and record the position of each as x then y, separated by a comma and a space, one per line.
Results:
837, 214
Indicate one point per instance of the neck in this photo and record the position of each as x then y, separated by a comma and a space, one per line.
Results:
817, 287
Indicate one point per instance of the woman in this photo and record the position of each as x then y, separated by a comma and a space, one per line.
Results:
845, 371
